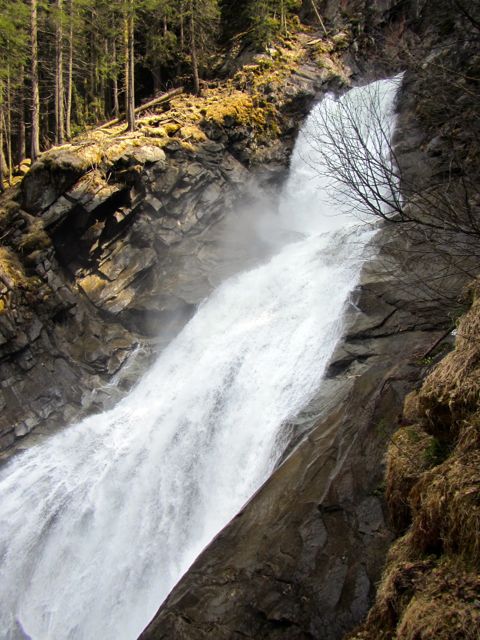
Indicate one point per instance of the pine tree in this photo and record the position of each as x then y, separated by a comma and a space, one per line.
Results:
35, 113
69, 95
13, 41
59, 85
77, 59
203, 19
161, 21
129, 54
268, 18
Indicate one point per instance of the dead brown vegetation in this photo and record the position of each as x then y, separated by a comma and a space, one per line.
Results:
406, 460
452, 391
430, 589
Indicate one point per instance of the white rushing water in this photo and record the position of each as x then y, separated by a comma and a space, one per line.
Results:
99, 522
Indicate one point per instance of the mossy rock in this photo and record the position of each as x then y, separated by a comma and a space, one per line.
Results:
446, 505
446, 608
406, 461
49, 177
451, 392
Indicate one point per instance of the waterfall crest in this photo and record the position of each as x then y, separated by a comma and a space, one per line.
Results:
99, 522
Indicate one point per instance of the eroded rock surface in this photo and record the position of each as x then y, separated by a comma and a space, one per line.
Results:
302, 558
111, 256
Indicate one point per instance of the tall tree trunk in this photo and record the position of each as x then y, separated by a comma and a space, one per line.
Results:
125, 58
193, 43
59, 87
35, 115
2, 156
68, 115
92, 90
130, 66
104, 86
2, 162
22, 146
182, 27
8, 127
283, 17
157, 81
319, 17
116, 104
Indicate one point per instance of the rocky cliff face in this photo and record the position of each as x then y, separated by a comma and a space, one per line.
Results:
302, 558
112, 241
431, 584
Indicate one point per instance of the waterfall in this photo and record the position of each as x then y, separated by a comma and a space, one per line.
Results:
99, 522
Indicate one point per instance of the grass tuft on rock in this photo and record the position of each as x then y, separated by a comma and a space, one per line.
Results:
452, 391
406, 461
446, 508
35, 238
446, 609
12, 272
430, 587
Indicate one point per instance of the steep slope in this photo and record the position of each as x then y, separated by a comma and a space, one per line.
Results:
431, 584
113, 239
302, 559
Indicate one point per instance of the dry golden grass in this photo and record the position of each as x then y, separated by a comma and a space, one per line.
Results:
411, 411
12, 272
406, 461
423, 599
469, 436
405, 569
448, 608
446, 504
35, 238
452, 390
430, 589
9, 208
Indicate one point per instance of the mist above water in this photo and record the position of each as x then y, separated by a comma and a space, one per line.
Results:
98, 523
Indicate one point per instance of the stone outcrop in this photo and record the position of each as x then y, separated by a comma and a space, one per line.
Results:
301, 560
111, 242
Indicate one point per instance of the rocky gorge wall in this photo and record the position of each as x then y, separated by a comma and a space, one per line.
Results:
126, 242
112, 241
302, 559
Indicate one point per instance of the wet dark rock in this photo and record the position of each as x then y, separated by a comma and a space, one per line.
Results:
137, 243
302, 558
46, 181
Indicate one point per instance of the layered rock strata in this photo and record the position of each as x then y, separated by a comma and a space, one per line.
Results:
107, 252
302, 558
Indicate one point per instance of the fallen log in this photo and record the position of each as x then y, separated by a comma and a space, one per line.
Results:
165, 97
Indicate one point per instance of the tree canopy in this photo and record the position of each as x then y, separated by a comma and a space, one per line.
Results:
68, 64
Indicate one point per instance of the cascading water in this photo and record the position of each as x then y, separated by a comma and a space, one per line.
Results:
101, 520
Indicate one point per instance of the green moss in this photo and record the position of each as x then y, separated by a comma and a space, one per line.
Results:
436, 452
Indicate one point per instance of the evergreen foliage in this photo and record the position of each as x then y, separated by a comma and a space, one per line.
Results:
69, 64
